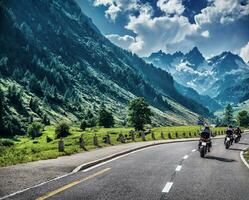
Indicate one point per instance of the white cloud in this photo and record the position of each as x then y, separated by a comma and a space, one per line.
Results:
172, 31
114, 7
244, 52
171, 6
205, 34
222, 11
153, 34
122, 41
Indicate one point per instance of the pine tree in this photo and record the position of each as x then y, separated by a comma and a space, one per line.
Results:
139, 113
105, 118
228, 114
2, 105
243, 118
15, 95
34, 104
35, 85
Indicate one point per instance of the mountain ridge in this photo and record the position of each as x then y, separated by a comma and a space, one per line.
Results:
54, 53
215, 76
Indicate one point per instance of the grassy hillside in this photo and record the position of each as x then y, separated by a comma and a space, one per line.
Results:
23, 149
61, 61
236, 109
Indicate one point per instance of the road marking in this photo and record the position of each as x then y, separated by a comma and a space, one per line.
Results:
35, 186
178, 168
65, 175
108, 161
194, 150
167, 187
185, 157
65, 187
243, 159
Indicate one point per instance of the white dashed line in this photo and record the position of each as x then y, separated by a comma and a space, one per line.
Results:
167, 187
243, 159
185, 157
178, 168
194, 150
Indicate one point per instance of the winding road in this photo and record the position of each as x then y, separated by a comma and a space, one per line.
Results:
171, 171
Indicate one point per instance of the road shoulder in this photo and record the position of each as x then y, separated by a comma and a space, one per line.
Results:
243, 157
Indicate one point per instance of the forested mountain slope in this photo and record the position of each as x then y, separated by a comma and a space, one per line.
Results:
54, 62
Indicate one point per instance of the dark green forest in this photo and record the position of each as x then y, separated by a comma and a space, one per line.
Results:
55, 64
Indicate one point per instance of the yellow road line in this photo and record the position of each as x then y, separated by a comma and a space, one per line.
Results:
65, 187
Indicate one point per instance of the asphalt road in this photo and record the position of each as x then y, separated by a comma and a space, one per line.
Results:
171, 171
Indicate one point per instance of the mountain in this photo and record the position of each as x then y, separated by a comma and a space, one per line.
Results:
216, 77
205, 100
232, 75
55, 62
195, 58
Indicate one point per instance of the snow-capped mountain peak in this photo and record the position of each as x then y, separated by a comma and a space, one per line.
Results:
207, 76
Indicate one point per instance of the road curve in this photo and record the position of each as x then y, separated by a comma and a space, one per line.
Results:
171, 171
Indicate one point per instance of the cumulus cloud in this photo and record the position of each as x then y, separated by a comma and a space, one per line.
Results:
244, 52
222, 11
122, 41
155, 33
171, 6
169, 30
205, 34
114, 7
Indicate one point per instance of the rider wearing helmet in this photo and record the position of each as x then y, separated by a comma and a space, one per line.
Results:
238, 131
229, 133
206, 134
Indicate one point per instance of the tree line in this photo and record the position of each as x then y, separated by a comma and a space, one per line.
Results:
242, 118
138, 115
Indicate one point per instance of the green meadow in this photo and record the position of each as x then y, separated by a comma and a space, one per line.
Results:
22, 149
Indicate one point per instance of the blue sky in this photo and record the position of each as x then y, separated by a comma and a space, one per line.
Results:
146, 26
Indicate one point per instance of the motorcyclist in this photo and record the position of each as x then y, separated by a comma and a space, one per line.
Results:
238, 132
229, 133
206, 134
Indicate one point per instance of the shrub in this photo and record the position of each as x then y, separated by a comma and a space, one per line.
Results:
105, 118
35, 129
6, 142
45, 120
49, 139
62, 130
83, 125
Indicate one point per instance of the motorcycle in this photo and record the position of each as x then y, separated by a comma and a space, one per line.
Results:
227, 142
204, 147
236, 138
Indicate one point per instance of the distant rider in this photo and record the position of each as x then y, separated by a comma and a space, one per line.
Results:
206, 134
229, 133
238, 132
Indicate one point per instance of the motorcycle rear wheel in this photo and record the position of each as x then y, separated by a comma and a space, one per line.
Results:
202, 152
227, 145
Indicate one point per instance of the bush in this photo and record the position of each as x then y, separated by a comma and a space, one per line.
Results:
105, 118
11, 126
45, 120
83, 125
49, 139
35, 129
62, 130
6, 142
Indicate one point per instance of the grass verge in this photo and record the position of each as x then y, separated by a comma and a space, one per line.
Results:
246, 155
23, 149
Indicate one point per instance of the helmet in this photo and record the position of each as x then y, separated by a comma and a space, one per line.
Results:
230, 126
